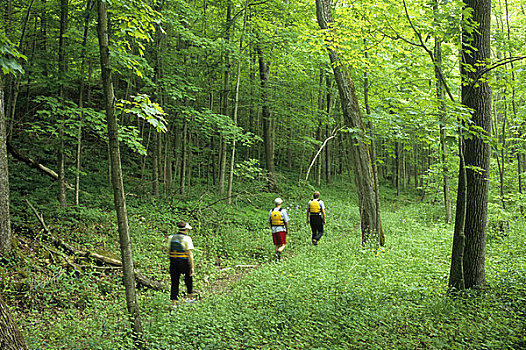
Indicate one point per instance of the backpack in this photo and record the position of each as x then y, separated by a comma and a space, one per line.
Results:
315, 206
275, 217
176, 247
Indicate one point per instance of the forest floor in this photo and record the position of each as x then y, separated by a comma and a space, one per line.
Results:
337, 295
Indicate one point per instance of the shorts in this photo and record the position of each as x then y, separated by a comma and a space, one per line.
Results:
279, 238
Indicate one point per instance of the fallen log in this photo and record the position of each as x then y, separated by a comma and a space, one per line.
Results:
34, 164
139, 277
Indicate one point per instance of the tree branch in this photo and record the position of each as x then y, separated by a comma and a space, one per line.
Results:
34, 164
333, 135
139, 277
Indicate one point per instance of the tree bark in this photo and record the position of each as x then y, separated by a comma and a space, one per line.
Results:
89, 6
442, 116
363, 167
268, 137
10, 336
236, 105
116, 172
381, 237
62, 76
224, 100
184, 157
5, 223
476, 95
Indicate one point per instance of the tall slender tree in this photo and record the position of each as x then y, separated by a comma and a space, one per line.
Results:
62, 66
116, 171
365, 177
5, 224
268, 137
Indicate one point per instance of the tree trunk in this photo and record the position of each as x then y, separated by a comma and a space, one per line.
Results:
476, 95
62, 76
116, 173
456, 272
520, 132
268, 137
381, 238
236, 104
5, 223
89, 6
396, 168
183, 157
363, 167
442, 116
10, 336
224, 100
156, 153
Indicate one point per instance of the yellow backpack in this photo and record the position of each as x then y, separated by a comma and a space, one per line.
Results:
314, 206
275, 217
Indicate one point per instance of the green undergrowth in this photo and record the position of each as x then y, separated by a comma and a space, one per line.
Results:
337, 295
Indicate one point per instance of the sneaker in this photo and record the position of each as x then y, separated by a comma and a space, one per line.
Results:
194, 293
315, 242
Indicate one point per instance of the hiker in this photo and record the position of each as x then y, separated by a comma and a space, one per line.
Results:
316, 217
279, 224
180, 247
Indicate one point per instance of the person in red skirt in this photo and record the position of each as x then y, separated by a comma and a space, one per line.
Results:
279, 224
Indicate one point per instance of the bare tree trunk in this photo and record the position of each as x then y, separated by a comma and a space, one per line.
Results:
183, 157
5, 217
224, 100
268, 137
236, 104
10, 336
156, 151
116, 173
442, 116
89, 6
62, 76
456, 272
381, 238
363, 167
520, 131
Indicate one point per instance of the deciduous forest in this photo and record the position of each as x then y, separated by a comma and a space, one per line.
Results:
122, 121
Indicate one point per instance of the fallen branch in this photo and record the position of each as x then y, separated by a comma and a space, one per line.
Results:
34, 164
139, 277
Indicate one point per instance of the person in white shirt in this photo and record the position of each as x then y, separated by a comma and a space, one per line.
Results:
180, 248
279, 224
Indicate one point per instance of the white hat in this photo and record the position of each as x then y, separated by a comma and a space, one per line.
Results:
278, 201
186, 227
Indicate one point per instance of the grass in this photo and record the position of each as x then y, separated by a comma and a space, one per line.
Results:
337, 295
340, 296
